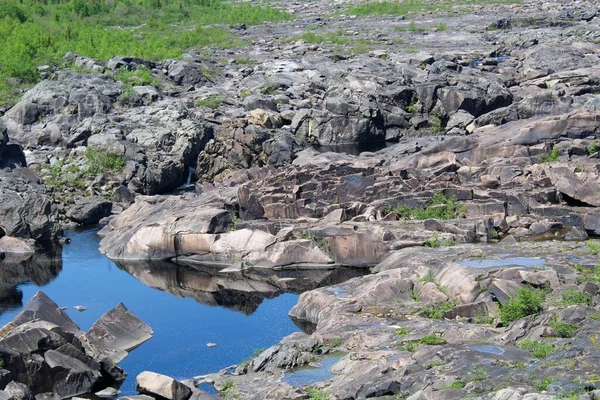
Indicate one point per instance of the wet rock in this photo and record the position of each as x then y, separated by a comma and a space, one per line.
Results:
161, 385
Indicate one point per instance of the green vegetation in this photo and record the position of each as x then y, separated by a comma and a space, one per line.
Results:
562, 329
536, 348
549, 157
483, 319
541, 385
588, 275
432, 340
435, 242
437, 311
414, 294
594, 147
429, 277
229, 391
402, 331
268, 90
95, 162
442, 27
213, 101
409, 346
478, 375
573, 296
593, 247
415, 6
526, 302
337, 342
316, 394
457, 385
436, 125
438, 207
37, 32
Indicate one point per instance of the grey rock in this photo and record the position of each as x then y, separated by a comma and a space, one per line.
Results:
89, 210
161, 385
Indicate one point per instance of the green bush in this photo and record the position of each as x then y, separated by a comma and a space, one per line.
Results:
549, 157
573, 296
213, 101
526, 302
536, 348
316, 394
593, 247
438, 207
432, 340
437, 311
102, 162
562, 329
541, 385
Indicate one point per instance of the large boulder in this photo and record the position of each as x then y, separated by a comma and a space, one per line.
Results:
89, 210
162, 386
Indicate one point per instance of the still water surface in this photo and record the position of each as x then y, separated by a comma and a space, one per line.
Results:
182, 326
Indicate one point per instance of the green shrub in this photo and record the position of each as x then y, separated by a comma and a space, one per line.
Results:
478, 375
541, 385
402, 331
102, 162
438, 207
593, 147
573, 296
457, 385
593, 247
316, 394
429, 277
437, 311
526, 302
536, 348
549, 157
337, 342
562, 329
213, 101
432, 340
138, 77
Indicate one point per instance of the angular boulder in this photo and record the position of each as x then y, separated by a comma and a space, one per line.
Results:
161, 385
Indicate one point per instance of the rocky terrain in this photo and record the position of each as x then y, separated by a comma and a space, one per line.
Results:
450, 158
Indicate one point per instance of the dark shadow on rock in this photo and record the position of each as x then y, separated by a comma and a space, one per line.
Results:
239, 290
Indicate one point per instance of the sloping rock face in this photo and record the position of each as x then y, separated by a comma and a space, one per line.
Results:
26, 208
43, 349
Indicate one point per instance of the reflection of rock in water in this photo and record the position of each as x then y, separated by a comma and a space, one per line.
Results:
242, 291
40, 269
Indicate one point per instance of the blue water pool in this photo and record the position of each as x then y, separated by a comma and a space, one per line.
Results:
187, 308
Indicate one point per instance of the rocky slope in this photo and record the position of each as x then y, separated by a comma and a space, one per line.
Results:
475, 208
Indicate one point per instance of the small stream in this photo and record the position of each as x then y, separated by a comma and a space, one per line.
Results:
186, 307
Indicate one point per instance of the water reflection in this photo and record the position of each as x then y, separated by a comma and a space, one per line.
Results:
38, 269
242, 290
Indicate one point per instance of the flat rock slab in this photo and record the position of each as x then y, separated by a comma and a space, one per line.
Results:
117, 332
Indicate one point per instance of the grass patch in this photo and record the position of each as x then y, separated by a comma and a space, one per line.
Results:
573, 296
432, 340
435, 242
38, 32
337, 342
437, 311
315, 394
213, 101
536, 348
402, 331
376, 8
478, 375
438, 207
593, 147
525, 302
593, 247
562, 329
539, 385
549, 157
455, 385
442, 27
